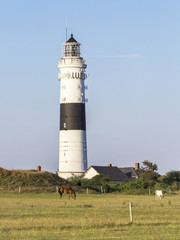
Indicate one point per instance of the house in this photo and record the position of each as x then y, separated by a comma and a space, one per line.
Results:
115, 174
130, 172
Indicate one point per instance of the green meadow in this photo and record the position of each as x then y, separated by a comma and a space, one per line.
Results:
91, 216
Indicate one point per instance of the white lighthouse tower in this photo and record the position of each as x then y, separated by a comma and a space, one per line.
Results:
72, 135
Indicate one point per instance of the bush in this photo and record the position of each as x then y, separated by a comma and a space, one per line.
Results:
133, 185
96, 183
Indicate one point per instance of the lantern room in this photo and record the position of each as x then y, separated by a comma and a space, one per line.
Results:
71, 48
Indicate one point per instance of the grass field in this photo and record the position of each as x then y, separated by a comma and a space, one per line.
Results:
93, 216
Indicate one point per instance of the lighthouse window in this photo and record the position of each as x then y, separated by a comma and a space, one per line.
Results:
66, 51
74, 50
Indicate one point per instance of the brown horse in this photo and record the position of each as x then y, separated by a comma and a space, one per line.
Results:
69, 191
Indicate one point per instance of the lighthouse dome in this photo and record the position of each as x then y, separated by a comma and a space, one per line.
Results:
71, 40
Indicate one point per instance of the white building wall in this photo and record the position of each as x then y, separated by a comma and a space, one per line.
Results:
72, 91
90, 173
73, 151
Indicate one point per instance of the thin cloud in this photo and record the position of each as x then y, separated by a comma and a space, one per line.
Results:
132, 55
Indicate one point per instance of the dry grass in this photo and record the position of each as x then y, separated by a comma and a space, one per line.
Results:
27, 171
44, 216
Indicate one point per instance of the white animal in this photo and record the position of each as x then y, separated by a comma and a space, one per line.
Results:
159, 194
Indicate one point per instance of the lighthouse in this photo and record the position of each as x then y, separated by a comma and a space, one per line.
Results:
72, 134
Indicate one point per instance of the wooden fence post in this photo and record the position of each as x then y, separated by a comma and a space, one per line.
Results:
57, 189
87, 190
101, 189
130, 212
19, 190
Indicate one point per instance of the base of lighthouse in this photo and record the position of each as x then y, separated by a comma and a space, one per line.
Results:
67, 175
72, 154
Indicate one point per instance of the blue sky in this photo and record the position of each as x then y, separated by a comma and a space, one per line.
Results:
133, 56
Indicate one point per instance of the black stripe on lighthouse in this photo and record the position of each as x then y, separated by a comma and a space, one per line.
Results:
72, 116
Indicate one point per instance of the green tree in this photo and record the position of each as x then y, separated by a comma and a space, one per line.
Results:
171, 177
148, 172
149, 166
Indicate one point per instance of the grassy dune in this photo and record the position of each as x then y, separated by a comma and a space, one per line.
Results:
94, 216
12, 179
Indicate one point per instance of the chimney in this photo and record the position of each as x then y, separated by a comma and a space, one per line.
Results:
137, 166
109, 165
38, 168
